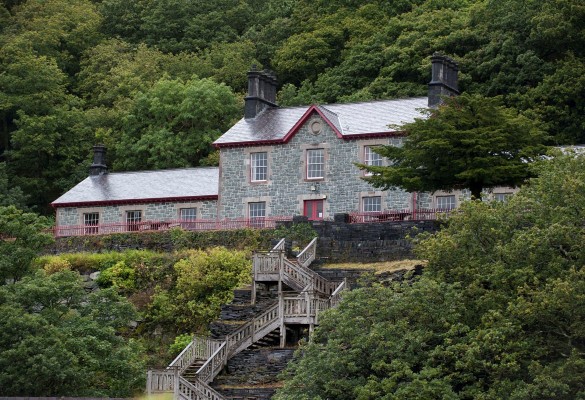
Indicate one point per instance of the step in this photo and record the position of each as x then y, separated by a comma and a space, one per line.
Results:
254, 367
248, 393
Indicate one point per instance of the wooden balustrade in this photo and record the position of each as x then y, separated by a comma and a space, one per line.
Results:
199, 390
279, 246
267, 263
160, 381
200, 348
307, 256
336, 296
213, 365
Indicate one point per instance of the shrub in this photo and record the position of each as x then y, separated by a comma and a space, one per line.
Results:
120, 276
181, 341
56, 264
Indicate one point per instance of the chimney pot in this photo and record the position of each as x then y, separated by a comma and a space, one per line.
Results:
98, 167
443, 79
261, 92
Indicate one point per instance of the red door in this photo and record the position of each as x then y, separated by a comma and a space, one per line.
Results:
314, 209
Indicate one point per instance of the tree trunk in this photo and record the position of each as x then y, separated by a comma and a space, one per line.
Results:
476, 189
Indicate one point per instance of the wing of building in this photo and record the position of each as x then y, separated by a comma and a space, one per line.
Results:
274, 162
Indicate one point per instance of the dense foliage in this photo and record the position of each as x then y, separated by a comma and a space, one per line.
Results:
498, 313
175, 292
470, 142
57, 340
21, 239
74, 73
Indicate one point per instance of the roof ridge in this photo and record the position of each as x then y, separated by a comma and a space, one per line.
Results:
328, 110
159, 170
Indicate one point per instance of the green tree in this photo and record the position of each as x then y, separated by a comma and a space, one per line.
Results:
498, 312
55, 340
10, 196
205, 280
60, 29
471, 142
174, 123
21, 239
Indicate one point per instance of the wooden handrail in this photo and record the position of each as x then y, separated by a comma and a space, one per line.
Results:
197, 391
199, 348
307, 256
279, 246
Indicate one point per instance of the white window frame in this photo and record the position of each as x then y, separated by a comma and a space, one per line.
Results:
133, 219
502, 197
257, 213
188, 214
315, 158
259, 166
372, 159
91, 221
449, 198
372, 204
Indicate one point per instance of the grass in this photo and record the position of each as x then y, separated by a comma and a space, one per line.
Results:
378, 267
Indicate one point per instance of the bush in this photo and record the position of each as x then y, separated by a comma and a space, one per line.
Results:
181, 341
120, 276
204, 281
56, 264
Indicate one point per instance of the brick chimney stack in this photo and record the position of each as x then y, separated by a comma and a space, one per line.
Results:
99, 161
443, 79
261, 92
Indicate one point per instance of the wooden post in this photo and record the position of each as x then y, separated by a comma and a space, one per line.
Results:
281, 317
149, 382
254, 264
176, 384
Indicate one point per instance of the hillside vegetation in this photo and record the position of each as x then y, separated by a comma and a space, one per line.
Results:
158, 81
499, 312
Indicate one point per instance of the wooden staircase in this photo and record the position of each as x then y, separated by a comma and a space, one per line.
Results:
189, 375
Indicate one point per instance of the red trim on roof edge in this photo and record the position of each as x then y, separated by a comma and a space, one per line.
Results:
374, 135
354, 136
300, 123
133, 201
304, 119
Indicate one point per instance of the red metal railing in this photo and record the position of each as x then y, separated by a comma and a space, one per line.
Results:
398, 215
148, 226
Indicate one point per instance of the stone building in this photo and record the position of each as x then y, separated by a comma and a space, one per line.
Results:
274, 162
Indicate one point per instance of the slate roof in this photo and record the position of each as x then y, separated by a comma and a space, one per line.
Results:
145, 186
277, 125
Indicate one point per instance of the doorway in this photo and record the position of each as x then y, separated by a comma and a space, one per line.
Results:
313, 209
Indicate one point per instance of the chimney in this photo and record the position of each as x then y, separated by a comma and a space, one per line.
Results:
99, 161
261, 92
443, 79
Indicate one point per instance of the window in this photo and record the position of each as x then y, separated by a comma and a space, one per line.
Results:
91, 222
502, 197
372, 204
446, 202
259, 167
371, 158
257, 213
133, 218
315, 164
187, 214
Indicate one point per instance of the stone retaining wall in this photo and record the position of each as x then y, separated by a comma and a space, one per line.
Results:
343, 242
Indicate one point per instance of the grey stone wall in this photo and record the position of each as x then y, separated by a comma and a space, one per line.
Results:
165, 211
287, 186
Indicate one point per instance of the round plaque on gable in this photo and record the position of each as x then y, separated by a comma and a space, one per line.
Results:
316, 127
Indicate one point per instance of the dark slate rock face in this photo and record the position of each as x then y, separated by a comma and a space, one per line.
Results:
253, 373
343, 242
